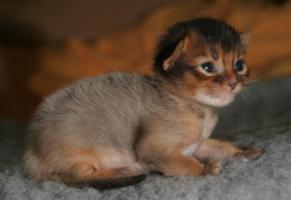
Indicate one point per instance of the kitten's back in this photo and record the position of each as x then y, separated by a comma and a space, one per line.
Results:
102, 106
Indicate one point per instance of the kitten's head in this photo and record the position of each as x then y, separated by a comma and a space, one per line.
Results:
203, 59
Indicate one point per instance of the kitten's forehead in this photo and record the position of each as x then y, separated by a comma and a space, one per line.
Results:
198, 48
212, 53
223, 61
217, 54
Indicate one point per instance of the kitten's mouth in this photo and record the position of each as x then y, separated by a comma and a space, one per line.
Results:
227, 95
216, 98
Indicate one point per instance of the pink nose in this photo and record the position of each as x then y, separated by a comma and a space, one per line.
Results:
232, 84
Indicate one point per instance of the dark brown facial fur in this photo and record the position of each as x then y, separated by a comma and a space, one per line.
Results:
203, 53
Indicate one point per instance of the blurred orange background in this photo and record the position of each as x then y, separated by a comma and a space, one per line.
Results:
47, 44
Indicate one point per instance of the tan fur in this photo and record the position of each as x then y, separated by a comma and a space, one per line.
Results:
178, 165
73, 162
121, 125
217, 149
84, 171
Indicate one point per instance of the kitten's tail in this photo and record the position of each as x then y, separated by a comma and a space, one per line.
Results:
110, 183
106, 179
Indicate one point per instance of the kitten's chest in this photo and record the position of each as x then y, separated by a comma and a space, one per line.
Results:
195, 138
206, 119
208, 123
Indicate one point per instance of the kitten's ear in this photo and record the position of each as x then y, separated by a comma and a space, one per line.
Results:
180, 48
184, 46
244, 38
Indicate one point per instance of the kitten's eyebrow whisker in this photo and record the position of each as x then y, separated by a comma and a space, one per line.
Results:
251, 81
214, 54
252, 98
244, 96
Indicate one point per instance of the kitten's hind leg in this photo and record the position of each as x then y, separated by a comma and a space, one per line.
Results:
220, 149
84, 170
83, 167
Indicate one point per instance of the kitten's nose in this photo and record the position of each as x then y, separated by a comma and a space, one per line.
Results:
232, 83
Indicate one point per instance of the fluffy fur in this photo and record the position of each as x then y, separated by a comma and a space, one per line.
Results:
123, 125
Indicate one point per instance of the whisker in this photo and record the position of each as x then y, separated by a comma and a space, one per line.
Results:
244, 97
251, 81
252, 98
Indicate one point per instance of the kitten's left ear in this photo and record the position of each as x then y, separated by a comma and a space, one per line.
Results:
244, 38
182, 47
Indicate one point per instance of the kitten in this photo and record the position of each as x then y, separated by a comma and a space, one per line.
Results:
110, 130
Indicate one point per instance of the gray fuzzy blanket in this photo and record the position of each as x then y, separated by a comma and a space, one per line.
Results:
260, 117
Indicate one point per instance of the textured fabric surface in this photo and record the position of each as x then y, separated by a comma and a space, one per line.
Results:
260, 117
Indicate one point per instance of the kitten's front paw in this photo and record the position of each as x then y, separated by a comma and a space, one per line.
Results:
212, 167
251, 153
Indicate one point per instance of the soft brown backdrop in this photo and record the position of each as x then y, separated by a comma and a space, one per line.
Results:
55, 49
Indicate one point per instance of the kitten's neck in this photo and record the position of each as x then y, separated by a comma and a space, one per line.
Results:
172, 92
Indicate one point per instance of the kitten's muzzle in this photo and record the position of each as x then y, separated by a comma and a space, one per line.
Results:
232, 83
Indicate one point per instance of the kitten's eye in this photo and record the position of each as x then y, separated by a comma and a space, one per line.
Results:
240, 67
208, 67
